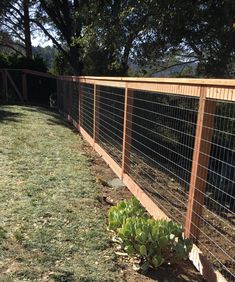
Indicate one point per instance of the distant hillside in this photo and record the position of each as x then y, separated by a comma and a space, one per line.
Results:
175, 71
189, 69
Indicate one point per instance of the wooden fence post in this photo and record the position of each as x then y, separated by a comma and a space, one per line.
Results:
14, 86
96, 116
127, 130
24, 87
199, 172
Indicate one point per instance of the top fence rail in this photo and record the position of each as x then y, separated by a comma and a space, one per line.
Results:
220, 89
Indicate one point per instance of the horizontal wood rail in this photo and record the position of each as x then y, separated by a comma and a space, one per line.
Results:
197, 81
219, 89
215, 88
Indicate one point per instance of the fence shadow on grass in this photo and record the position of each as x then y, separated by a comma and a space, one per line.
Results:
54, 117
9, 116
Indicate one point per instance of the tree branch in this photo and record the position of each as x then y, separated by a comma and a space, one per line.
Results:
15, 33
59, 47
17, 10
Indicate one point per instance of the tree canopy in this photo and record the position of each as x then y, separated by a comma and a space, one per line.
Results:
106, 37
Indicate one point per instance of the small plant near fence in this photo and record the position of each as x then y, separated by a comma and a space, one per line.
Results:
125, 209
151, 242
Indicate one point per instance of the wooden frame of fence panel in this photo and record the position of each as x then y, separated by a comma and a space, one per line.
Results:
38, 73
15, 87
24, 87
199, 171
127, 130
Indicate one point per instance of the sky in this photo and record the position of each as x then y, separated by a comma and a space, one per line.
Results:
42, 41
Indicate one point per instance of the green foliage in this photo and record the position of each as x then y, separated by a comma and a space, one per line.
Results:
3, 61
118, 214
155, 242
48, 54
14, 61
107, 37
60, 65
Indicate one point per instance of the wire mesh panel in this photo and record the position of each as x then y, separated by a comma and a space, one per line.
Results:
111, 113
87, 107
217, 234
60, 98
74, 90
163, 128
39, 88
11, 86
14, 82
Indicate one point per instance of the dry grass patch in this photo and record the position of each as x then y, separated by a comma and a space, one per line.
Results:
51, 225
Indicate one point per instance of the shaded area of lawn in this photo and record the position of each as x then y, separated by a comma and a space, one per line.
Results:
51, 225
7, 115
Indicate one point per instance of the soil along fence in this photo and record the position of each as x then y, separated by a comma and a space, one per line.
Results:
172, 142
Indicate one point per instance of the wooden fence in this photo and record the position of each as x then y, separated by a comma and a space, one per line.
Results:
134, 124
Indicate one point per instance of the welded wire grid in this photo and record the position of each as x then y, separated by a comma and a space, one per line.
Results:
59, 83
162, 140
74, 90
163, 128
87, 107
110, 113
39, 88
217, 236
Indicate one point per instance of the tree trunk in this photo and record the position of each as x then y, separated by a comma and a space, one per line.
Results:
28, 44
74, 59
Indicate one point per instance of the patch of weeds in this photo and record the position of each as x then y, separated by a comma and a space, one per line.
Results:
28, 274
18, 235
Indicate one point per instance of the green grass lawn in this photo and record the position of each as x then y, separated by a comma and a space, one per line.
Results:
51, 226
